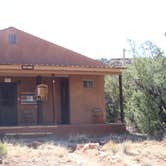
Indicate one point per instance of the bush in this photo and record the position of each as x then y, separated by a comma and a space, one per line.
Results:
3, 150
145, 89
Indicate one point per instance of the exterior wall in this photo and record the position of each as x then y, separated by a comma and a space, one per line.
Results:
84, 100
28, 84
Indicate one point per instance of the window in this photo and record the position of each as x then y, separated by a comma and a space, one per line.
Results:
12, 38
87, 84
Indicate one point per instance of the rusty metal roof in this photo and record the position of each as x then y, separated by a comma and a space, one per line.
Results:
18, 47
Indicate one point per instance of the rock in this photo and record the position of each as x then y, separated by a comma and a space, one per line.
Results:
102, 142
72, 148
79, 147
35, 144
90, 146
93, 145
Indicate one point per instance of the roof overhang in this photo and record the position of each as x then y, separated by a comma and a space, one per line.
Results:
33, 70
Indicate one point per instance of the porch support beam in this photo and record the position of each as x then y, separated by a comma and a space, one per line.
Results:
121, 99
39, 103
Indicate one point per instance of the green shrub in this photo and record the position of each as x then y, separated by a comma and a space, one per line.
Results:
3, 149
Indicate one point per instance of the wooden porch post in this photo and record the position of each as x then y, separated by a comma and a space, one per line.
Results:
121, 98
53, 99
39, 103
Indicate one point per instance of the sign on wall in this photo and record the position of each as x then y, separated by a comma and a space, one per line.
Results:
28, 98
7, 80
27, 67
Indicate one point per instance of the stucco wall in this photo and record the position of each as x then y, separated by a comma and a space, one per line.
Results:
28, 84
84, 100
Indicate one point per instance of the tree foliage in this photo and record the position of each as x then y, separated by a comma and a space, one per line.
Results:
145, 88
112, 98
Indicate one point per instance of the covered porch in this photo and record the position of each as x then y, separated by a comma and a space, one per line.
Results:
66, 101
22, 105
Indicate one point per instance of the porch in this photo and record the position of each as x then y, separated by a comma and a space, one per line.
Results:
21, 105
66, 102
64, 130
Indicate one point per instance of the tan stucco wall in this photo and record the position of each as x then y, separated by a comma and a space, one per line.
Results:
84, 100
28, 84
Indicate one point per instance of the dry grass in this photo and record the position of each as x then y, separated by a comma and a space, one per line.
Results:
111, 146
132, 152
117, 150
47, 154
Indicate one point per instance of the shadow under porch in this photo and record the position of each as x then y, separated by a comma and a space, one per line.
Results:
20, 104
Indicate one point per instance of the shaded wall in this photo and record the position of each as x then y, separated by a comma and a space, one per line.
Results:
28, 84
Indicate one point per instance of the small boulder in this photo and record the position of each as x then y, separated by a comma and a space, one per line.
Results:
35, 144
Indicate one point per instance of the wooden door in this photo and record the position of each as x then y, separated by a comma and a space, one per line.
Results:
8, 104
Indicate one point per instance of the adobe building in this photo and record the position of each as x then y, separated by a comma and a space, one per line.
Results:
42, 83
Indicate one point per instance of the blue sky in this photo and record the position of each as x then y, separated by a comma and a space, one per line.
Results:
95, 28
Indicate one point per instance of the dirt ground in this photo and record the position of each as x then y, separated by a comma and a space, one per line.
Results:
82, 150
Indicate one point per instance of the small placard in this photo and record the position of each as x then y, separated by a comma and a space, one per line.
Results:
7, 80
28, 98
27, 67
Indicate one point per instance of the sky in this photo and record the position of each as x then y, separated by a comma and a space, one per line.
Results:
95, 28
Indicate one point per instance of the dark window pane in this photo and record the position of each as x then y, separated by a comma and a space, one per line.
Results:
88, 84
12, 38
85, 84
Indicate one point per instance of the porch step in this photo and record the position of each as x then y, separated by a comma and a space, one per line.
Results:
63, 130
27, 134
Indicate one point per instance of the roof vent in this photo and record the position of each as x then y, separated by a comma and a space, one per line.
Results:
12, 38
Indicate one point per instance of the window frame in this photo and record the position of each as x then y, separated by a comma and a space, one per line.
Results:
89, 83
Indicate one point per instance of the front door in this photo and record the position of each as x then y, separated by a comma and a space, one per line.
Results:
8, 104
